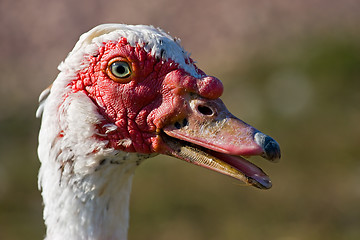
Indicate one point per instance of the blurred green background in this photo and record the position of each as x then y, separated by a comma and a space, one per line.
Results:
290, 68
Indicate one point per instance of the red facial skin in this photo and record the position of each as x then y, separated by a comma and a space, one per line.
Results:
155, 95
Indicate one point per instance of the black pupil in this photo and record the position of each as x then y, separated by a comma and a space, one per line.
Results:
119, 69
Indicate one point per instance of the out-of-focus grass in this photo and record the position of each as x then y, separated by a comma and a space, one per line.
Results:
305, 94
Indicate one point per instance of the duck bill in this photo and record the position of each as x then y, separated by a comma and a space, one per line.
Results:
211, 137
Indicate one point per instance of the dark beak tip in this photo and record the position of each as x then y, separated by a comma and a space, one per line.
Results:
260, 182
271, 149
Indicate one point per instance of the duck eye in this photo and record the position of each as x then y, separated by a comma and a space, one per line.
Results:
120, 69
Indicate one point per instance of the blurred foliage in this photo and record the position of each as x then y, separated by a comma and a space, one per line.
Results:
20, 201
303, 92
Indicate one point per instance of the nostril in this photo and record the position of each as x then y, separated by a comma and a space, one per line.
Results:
177, 125
185, 122
205, 110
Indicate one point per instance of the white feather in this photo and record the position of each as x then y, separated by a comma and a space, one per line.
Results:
86, 185
154, 40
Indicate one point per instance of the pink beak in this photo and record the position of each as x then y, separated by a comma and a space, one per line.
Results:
212, 137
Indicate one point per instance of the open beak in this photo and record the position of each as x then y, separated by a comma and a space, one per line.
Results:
211, 137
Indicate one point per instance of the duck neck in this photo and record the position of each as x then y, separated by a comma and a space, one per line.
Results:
92, 206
